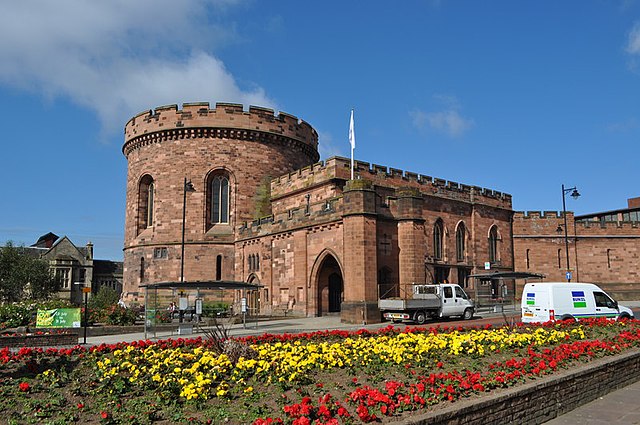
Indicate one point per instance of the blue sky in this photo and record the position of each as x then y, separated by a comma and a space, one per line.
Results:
515, 96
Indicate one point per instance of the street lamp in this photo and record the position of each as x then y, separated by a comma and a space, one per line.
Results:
187, 187
574, 195
85, 291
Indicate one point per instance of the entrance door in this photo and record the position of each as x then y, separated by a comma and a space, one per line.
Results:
335, 292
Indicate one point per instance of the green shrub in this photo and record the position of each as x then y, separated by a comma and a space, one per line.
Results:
120, 316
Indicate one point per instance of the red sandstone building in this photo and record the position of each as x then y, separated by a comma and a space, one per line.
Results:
604, 247
265, 211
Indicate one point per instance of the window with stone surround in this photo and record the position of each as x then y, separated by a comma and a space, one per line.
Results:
219, 267
460, 242
161, 253
494, 253
438, 231
146, 195
218, 199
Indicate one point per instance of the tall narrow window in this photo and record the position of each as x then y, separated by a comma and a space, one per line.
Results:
493, 244
460, 236
608, 258
219, 200
219, 267
437, 239
150, 195
559, 258
528, 261
141, 269
146, 195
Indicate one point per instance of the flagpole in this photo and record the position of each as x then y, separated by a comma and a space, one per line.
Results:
352, 141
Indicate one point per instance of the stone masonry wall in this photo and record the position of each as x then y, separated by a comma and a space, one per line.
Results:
606, 255
170, 145
540, 400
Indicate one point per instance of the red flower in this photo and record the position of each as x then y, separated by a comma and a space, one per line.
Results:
105, 415
24, 386
80, 405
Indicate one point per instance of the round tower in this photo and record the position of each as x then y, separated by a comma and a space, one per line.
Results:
227, 157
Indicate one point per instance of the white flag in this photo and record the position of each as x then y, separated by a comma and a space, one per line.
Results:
352, 134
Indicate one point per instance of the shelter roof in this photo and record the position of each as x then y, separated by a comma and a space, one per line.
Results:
507, 275
199, 284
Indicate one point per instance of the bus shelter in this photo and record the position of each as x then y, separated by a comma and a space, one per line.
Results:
159, 299
499, 289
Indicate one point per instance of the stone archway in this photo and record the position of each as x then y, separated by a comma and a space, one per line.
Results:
330, 286
253, 297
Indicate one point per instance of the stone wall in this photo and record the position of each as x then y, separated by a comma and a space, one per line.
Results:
606, 255
540, 400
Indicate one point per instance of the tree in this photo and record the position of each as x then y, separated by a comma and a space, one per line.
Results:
23, 276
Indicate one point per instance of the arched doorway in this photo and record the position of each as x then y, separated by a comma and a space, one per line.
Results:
253, 298
330, 286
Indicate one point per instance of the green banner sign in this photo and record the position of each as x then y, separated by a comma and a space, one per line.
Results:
58, 318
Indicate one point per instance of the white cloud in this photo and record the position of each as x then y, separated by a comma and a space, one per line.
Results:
633, 44
447, 121
327, 146
121, 57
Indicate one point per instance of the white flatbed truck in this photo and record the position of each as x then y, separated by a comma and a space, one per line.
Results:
424, 302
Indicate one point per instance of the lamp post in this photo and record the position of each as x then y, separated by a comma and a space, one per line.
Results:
85, 291
574, 195
187, 187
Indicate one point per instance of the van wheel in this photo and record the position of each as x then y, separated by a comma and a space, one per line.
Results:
420, 318
568, 318
623, 316
468, 314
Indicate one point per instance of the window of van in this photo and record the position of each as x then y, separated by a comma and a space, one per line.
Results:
602, 300
460, 293
448, 292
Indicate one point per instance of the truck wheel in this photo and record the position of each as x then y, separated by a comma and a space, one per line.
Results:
468, 314
420, 318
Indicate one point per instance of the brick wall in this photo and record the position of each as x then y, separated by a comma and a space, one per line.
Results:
540, 400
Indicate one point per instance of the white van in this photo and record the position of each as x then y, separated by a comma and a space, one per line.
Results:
544, 301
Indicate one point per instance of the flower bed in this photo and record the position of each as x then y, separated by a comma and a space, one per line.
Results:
331, 377
43, 338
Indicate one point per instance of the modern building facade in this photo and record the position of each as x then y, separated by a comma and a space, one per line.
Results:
227, 194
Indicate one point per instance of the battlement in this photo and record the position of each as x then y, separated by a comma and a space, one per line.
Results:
547, 222
229, 120
340, 168
550, 215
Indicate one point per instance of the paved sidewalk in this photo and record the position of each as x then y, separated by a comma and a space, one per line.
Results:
618, 407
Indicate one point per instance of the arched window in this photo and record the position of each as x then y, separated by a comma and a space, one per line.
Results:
219, 199
219, 267
438, 231
493, 245
146, 194
460, 236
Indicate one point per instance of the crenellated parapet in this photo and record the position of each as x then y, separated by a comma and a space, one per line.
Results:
552, 223
340, 168
225, 121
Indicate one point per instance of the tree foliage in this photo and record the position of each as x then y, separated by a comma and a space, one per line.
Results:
24, 277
